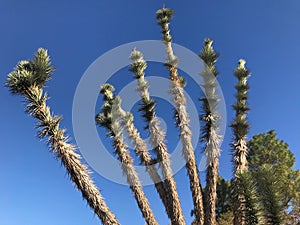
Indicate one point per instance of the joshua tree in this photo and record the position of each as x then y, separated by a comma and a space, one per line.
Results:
240, 128
240, 125
126, 120
157, 137
244, 185
210, 137
253, 189
177, 82
108, 119
28, 79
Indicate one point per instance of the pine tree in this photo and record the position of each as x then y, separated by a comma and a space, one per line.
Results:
28, 79
278, 184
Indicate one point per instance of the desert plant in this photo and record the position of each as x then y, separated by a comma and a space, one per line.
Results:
107, 118
182, 120
240, 129
210, 129
157, 138
261, 195
28, 79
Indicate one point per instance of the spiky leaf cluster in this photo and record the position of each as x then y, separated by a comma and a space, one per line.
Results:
181, 115
104, 118
28, 73
240, 125
210, 127
28, 79
247, 185
157, 139
266, 151
271, 194
209, 56
138, 64
210, 101
164, 15
223, 192
138, 67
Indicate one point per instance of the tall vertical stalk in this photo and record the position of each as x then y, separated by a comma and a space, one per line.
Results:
210, 137
164, 15
240, 128
108, 118
157, 137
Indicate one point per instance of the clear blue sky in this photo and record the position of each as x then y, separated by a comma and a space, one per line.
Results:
34, 187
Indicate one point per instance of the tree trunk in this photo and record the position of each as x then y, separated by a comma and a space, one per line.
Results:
210, 197
187, 147
134, 182
64, 151
141, 151
157, 139
164, 15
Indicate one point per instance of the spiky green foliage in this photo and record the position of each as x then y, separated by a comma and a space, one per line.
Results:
126, 121
28, 73
157, 138
240, 129
247, 186
240, 125
163, 16
138, 67
28, 79
209, 57
227, 195
112, 117
210, 128
223, 196
181, 115
278, 184
210, 101
104, 118
225, 218
270, 194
